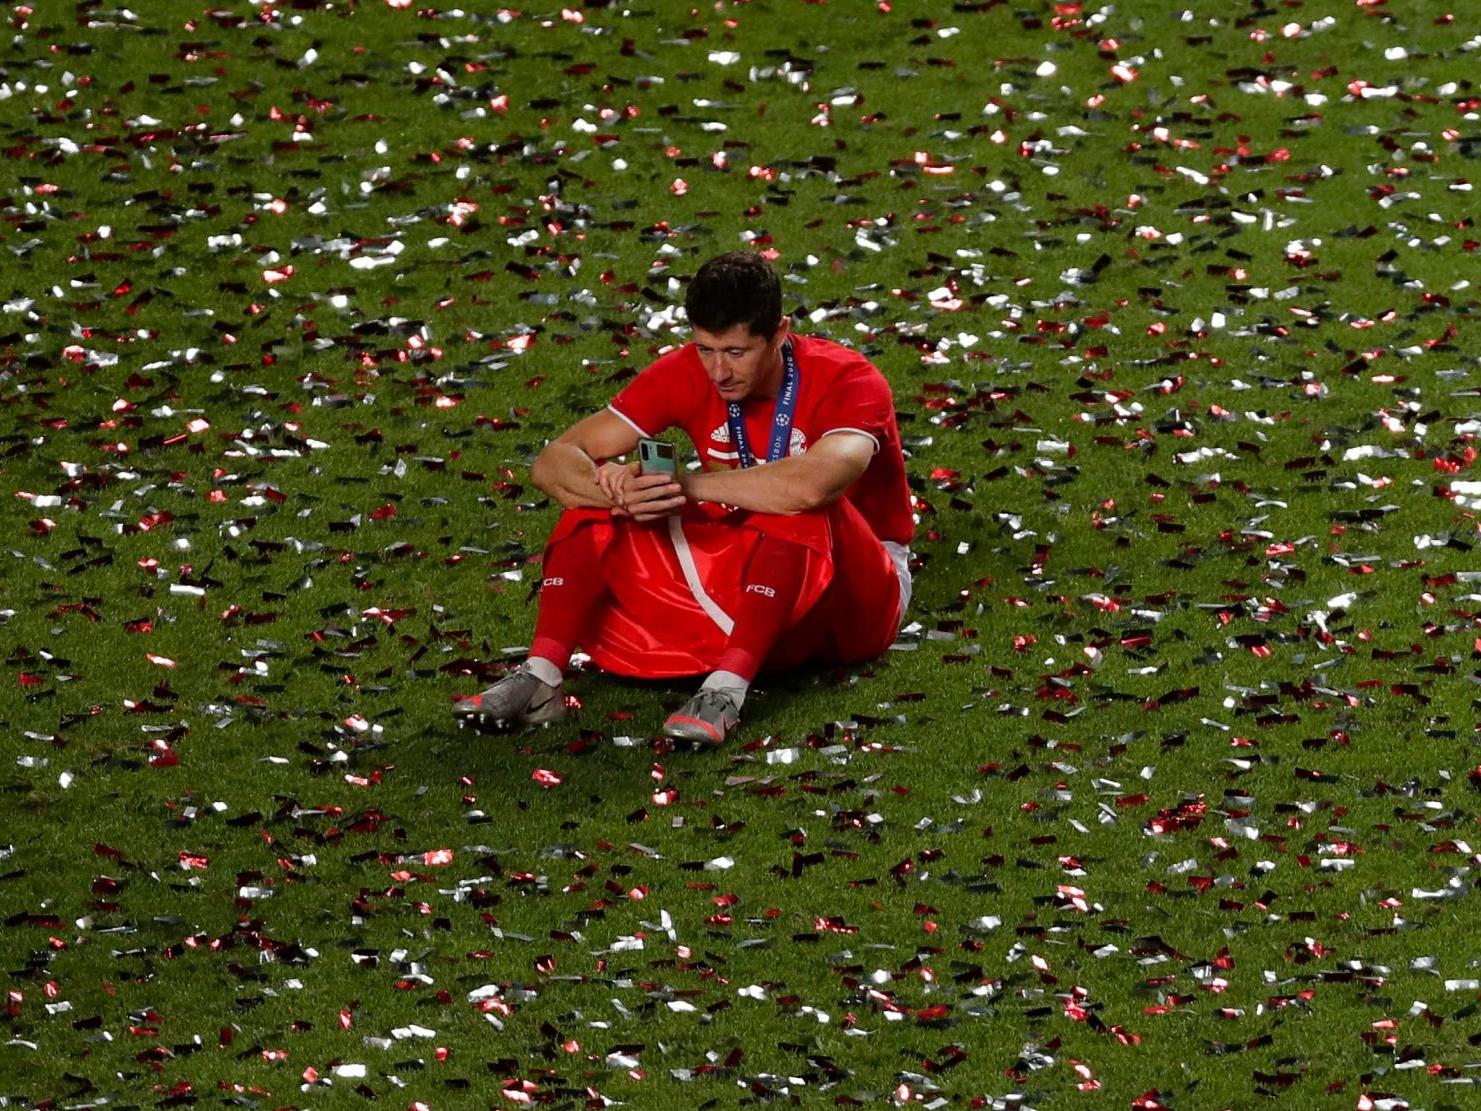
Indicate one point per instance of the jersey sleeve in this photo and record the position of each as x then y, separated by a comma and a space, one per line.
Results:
858, 401
661, 397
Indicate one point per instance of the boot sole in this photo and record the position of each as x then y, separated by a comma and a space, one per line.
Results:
548, 712
690, 729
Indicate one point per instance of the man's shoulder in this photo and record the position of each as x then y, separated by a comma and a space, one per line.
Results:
821, 347
829, 356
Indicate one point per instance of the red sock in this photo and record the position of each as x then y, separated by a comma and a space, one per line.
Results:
572, 586
769, 587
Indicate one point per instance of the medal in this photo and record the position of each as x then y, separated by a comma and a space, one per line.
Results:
781, 418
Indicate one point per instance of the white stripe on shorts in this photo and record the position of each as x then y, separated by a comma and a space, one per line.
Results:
691, 576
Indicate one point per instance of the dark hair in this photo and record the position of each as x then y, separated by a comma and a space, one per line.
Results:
735, 288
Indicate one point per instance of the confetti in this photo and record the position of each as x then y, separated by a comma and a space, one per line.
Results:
1174, 750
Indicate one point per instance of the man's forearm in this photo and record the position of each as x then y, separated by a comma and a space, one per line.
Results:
785, 486
569, 475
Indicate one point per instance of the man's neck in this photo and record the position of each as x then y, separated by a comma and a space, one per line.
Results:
771, 385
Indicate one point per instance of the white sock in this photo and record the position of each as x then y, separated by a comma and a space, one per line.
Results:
729, 682
544, 670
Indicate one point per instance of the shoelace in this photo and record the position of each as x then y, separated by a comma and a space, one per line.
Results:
713, 696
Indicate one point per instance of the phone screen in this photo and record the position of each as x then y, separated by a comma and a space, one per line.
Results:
656, 457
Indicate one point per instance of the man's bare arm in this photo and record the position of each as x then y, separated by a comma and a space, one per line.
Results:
791, 485
568, 470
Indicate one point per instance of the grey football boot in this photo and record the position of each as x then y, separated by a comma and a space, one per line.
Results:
520, 698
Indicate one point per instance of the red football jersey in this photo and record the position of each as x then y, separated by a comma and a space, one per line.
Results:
838, 390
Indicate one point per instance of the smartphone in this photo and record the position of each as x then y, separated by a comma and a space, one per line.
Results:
656, 457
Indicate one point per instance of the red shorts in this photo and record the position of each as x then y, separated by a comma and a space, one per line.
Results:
673, 584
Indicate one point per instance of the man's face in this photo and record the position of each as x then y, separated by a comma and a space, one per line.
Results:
740, 364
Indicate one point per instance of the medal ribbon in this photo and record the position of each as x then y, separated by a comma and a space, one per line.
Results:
781, 418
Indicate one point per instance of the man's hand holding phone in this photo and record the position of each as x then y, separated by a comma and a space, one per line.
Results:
645, 490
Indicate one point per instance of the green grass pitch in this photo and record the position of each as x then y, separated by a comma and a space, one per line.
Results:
1166, 799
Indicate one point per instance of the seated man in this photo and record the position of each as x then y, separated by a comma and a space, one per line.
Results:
759, 559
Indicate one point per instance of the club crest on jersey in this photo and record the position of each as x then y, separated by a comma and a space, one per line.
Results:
796, 445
